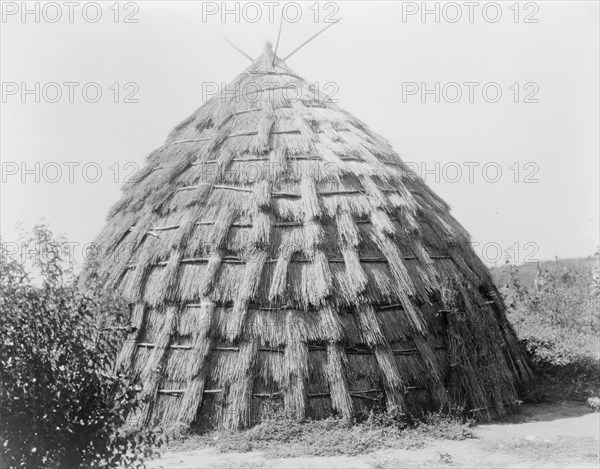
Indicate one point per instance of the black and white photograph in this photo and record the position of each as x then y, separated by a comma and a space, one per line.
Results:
300, 234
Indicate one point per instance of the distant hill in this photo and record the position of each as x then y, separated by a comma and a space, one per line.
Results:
527, 272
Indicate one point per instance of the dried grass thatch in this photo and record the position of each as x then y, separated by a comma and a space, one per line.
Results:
331, 278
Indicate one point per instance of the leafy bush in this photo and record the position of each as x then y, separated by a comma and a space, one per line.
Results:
558, 321
61, 403
594, 403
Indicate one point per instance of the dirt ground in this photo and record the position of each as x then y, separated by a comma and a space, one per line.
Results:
545, 436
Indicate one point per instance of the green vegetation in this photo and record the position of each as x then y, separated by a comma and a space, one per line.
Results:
61, 403
556, 315
281, 436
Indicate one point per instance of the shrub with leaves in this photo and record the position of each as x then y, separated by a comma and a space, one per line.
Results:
62, 404
594, 403
559, 322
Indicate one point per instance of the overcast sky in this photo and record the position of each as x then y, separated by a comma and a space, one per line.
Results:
546, 145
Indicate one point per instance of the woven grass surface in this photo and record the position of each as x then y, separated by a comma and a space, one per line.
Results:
276, 248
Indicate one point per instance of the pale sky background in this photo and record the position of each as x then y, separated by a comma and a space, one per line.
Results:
170, 52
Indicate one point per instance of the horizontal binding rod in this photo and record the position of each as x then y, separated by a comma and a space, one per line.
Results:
288, 307
356, 393
237, 260
181, 347
242, 134
311, 348
286, 195
281, 224
259, 159
265, 72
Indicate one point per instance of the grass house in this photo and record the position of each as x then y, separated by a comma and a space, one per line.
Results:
275, 249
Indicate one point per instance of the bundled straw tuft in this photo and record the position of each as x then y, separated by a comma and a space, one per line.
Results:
310, 199
262, 194
125, 357
296, 374
340, 394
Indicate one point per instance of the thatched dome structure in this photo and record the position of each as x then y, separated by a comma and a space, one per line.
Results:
275, 248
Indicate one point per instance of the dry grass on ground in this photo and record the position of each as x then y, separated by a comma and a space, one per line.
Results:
279, 436
540, 436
